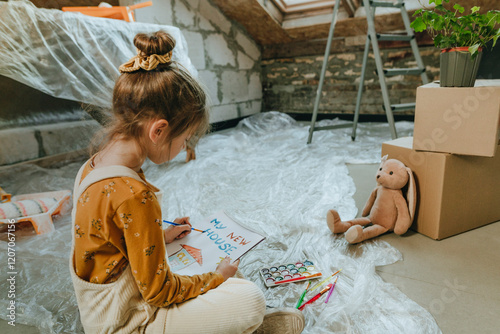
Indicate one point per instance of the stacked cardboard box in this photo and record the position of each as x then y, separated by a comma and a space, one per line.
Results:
455, 157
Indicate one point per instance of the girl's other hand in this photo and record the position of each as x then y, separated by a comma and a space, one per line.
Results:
177, 232
226, 268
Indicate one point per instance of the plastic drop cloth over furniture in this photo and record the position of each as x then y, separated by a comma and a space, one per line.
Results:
71, 55
265, 176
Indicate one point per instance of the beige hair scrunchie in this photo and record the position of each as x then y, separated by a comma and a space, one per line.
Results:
147, 63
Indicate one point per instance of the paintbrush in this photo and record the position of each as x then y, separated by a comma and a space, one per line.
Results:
175, 224
326, 279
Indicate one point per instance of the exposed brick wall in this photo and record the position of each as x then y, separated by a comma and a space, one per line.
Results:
290, 84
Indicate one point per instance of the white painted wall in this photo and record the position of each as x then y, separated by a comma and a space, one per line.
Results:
226, 57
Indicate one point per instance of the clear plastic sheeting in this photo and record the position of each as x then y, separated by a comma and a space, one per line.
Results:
71, 55
44, 293
264, 175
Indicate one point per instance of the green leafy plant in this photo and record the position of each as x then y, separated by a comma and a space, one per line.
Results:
451, 28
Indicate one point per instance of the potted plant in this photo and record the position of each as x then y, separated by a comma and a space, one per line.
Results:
461, 37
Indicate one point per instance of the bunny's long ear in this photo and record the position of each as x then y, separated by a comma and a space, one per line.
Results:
411, 194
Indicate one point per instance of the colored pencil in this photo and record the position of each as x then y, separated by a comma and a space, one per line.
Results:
331, 290
303, 294
310, 301
325, 280
175, 224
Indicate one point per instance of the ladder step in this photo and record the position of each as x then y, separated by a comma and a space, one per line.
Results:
392, 37
391, 4
403, 106
403, 71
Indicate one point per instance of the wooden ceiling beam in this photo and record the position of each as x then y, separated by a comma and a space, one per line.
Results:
305, 6
266, 29
348, 27
339, 45
350, 6
259, 23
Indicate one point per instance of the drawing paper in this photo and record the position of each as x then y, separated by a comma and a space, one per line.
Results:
199, 253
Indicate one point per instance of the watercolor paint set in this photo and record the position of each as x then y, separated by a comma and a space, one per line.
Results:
289, 273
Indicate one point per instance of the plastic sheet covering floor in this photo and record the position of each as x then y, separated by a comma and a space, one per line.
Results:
263, 174
71, 55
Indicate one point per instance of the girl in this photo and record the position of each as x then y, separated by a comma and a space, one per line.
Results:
122, 280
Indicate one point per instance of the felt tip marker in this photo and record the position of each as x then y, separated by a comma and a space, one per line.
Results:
175, 224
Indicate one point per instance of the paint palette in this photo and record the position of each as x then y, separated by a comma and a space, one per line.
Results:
289, 273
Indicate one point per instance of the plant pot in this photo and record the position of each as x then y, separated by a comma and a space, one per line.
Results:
457, 67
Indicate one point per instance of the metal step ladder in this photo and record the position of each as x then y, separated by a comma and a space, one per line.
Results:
312, 127
374, 38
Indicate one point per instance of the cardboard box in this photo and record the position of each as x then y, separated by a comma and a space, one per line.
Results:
456, 193
460, 120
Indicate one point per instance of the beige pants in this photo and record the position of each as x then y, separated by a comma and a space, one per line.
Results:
236, 306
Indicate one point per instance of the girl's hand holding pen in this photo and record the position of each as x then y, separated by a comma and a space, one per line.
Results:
177, 232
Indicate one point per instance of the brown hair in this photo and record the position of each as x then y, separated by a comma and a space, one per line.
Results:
166, 92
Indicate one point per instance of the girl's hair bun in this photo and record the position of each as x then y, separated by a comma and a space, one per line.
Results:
158, 43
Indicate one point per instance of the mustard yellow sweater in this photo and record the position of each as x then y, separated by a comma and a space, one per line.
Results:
118, 224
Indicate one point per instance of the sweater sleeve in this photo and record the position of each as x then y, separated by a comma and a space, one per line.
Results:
139, 217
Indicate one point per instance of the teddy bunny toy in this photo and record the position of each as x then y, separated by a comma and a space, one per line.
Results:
386, 209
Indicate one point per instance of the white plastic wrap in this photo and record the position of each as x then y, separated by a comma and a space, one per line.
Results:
71, 55
264, 175
43, 289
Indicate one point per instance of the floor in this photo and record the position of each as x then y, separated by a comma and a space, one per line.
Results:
455, 279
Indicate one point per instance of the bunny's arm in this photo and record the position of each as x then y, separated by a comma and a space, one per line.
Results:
369, 203
403, 221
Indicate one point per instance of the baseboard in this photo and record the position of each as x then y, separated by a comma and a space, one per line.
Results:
349, 117
52, 161
230, 123
307, 117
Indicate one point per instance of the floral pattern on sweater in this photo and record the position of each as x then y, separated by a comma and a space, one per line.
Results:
118, 224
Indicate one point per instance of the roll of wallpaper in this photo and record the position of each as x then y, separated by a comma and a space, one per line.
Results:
25, 208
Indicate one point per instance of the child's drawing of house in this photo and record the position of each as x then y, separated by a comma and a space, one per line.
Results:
184, 257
